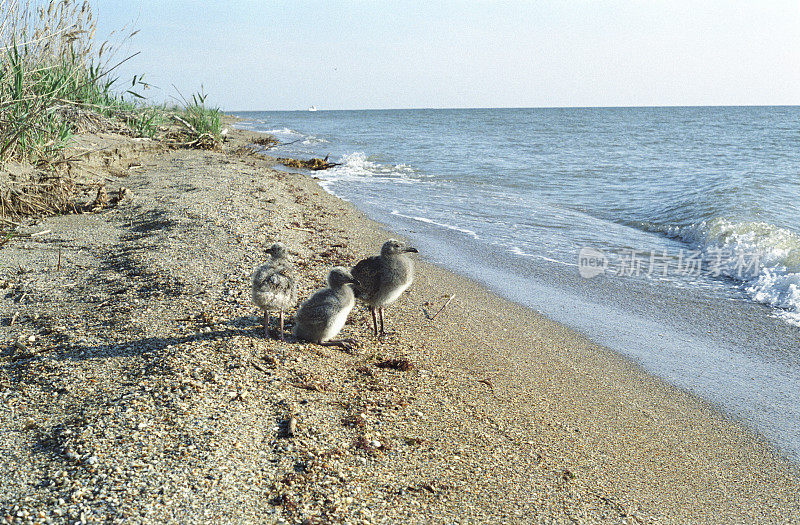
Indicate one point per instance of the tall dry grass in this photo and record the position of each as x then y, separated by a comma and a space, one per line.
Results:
54, 82
52, 78
57, 80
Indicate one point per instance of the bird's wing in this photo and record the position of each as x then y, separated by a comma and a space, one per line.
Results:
315, 312
272, 288
273, 279
280, 282
367, 273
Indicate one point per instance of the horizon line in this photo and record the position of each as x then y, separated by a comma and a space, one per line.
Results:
523, 107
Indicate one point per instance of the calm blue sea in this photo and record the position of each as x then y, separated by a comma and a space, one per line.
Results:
671, 235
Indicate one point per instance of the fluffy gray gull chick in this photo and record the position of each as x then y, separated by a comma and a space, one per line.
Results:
274, 288
323, 315
382, 278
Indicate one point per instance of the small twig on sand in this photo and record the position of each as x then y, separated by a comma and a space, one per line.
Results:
202, 140
58, 266
8, 221
77, 156
440, 309
188, 126
11, 235
309, 230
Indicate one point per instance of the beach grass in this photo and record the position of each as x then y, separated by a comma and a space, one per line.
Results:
58, 81
204, 119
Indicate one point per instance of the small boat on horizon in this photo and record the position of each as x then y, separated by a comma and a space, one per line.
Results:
312, 108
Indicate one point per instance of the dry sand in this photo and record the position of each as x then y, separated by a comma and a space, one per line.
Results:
148, 393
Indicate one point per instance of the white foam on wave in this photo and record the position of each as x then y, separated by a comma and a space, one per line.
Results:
313, 139
780, 289
427, 220
789, 317
283, 131
356, 167
327, 185
776, 281
516, 250
287, 133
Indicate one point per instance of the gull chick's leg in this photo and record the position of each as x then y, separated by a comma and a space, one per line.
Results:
280, 316
380, 311
374, 320
266, 324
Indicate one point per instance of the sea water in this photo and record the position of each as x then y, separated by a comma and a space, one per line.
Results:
671, 235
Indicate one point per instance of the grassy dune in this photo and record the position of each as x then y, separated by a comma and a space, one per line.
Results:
56, 81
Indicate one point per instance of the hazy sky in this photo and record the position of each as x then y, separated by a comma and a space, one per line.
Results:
263, 55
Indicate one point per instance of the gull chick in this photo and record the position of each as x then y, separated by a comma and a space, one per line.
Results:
382, 278
274, 287
323, 315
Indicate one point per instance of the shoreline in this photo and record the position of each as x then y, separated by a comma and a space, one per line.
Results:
592, 355
733, 371
507, 415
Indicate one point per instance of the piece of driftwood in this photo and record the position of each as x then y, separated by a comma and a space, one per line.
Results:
310, 164
298, 228
186, 124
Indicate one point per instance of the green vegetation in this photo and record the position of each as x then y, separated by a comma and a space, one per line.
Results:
202, 118
55, 83
52, 81
202, 122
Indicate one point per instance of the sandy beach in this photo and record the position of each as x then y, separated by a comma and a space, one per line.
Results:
136, 384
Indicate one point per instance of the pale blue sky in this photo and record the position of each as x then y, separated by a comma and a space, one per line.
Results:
253, 55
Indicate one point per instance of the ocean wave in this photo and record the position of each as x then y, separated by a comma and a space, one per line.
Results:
312, 139
283, 131
356, 167
773, 254
427, 220
516, 250
792, 318
290, 135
